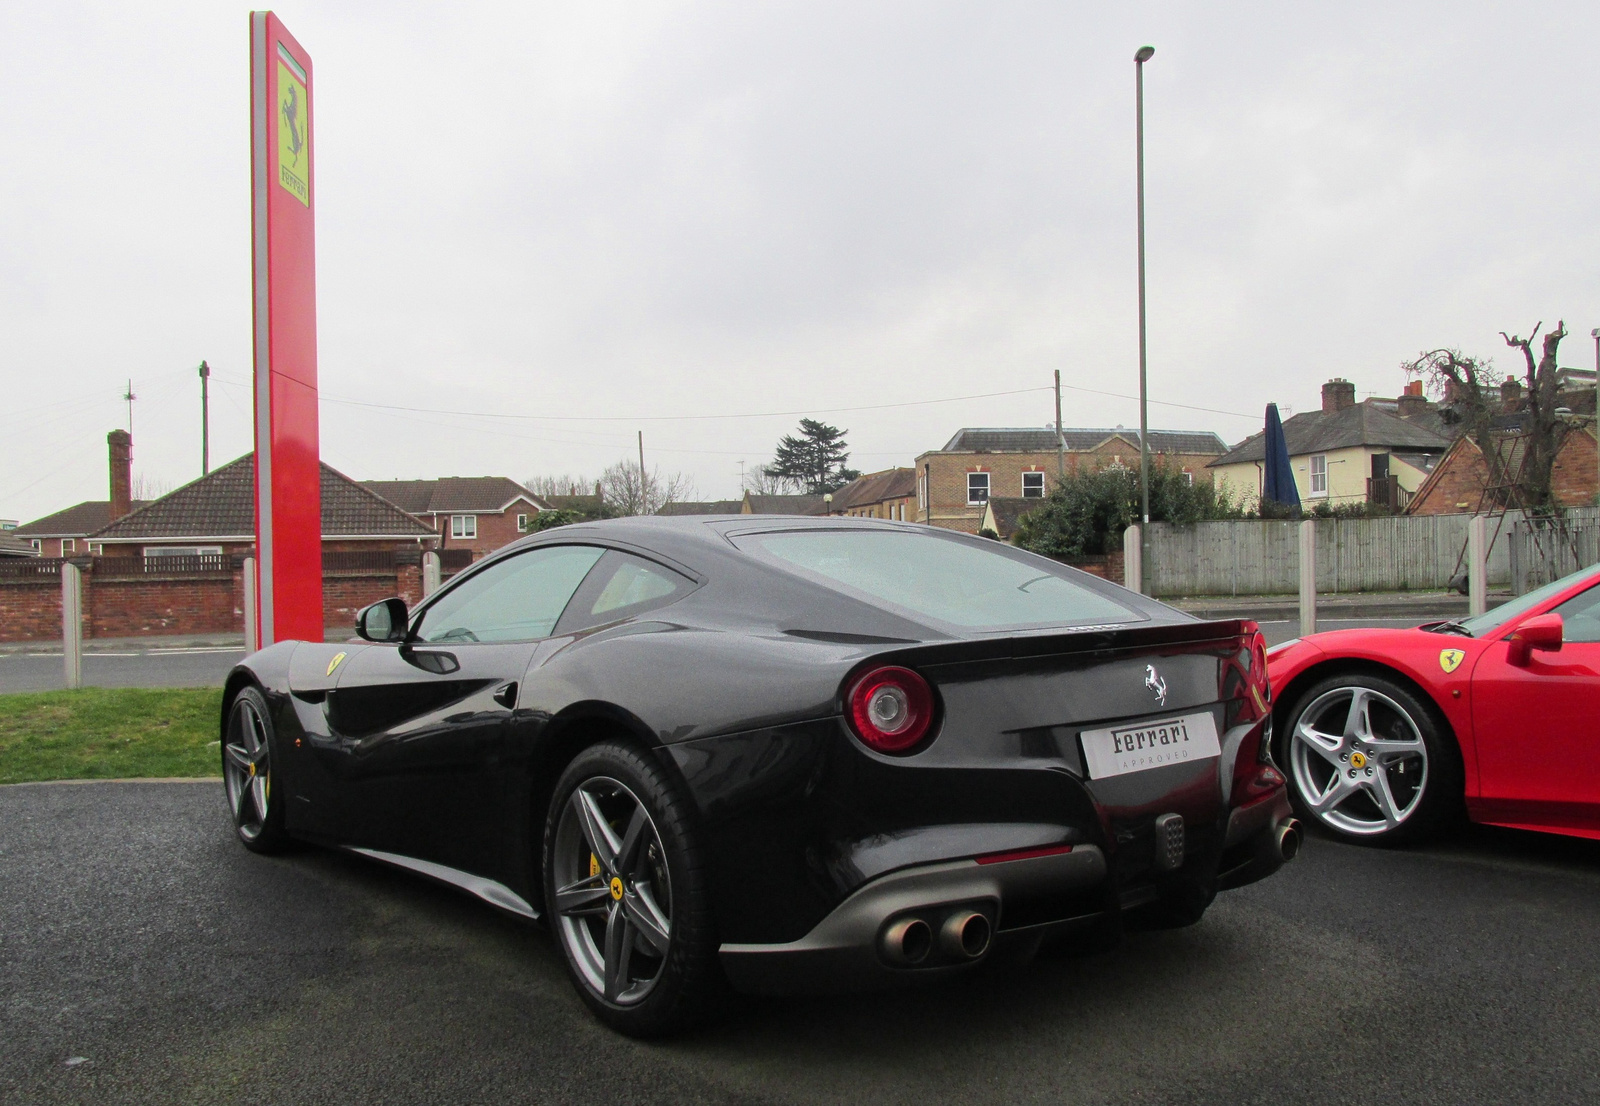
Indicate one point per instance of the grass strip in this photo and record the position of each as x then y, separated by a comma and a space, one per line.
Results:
109, 733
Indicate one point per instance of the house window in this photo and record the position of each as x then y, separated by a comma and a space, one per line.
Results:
522, 524
1033, 485
1319, 474
463, 526
69, 545
977, 488
1188, 477
38, 545
922, 492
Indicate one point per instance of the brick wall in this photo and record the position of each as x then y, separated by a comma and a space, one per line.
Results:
1458, 485
1108, 567
30, 611
179, 603
1573, 479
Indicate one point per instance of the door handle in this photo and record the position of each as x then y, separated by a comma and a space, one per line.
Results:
506, 695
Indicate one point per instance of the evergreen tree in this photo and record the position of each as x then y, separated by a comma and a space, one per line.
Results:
815, 460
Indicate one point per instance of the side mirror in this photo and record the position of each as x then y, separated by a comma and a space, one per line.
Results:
1540, 632
385, 620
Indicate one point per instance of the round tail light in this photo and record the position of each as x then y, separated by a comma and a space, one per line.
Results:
891, 709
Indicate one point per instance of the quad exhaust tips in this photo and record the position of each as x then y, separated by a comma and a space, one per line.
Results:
1289, 838
964, 935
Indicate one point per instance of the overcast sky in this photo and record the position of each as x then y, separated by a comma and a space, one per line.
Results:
613, 217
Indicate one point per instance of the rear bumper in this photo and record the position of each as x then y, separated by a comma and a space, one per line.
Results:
846, 950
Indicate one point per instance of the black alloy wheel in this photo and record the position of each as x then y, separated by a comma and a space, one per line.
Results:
247, 759
1370, 761
626, 888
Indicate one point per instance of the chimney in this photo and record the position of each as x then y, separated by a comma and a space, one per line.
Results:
1337, 394
1412, 401
1511, 394
121, 445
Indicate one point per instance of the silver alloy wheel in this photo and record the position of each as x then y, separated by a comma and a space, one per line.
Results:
613, 891
1359, 761
247, 768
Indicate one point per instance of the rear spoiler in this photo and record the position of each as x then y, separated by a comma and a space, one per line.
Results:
1092, 640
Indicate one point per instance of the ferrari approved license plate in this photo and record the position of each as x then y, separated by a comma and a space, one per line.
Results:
1125, 749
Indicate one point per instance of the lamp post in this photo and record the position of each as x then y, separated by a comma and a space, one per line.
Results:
1595, 334
1145, 54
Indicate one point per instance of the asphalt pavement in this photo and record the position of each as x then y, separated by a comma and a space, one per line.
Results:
146, 957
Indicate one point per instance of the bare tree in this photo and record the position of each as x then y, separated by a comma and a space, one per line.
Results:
1473, 402
624, 489
1545, 432
761, 480
145, 488
560, 485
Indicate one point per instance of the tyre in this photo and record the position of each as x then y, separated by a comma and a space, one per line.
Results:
1370, 761
626, 886
249, 751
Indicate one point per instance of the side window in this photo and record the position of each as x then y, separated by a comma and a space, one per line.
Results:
519, 599
1580, 617
622, 586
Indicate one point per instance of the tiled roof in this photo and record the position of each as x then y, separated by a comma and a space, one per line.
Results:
74, 522
12, 546
783, 504
1028, 439
875, 487
460, 494
223, 505
704, 507
1008, 512
1363, 424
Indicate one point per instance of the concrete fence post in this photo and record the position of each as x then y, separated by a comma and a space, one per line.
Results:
72, 623
249, 604
430, 573
1132, 560
1308, 577
1477, 566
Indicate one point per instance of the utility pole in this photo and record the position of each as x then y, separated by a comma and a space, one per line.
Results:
130, 397
205, 419
644, 494
1145, 54
1595, 334
1061, 441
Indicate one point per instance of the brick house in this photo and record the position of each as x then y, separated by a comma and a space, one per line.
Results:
1376, 451
1460, 482
64, 533
954, 484
891, 493
477, 513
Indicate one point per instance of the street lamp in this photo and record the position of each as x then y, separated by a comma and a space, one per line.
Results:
1595, 334
1145, 54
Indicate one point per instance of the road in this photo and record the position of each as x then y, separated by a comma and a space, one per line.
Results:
156, 665
146, 957
133, 666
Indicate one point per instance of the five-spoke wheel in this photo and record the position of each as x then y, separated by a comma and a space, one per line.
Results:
626, 890
613, 893
247, 773
1367, 759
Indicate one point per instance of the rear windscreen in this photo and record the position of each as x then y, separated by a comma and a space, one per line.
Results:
979, 585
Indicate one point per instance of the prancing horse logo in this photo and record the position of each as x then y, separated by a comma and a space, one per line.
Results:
1155, 683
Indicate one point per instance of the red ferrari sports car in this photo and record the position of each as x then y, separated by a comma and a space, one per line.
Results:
1384, 733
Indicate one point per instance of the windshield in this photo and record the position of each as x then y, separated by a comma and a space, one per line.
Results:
964, 583
1480, 624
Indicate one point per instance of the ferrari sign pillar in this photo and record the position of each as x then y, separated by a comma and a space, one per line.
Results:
287, 583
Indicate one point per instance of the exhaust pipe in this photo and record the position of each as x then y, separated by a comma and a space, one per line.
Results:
907, 942
965, 935
1289, 838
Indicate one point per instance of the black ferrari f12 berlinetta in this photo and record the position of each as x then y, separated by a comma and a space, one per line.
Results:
774, 754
